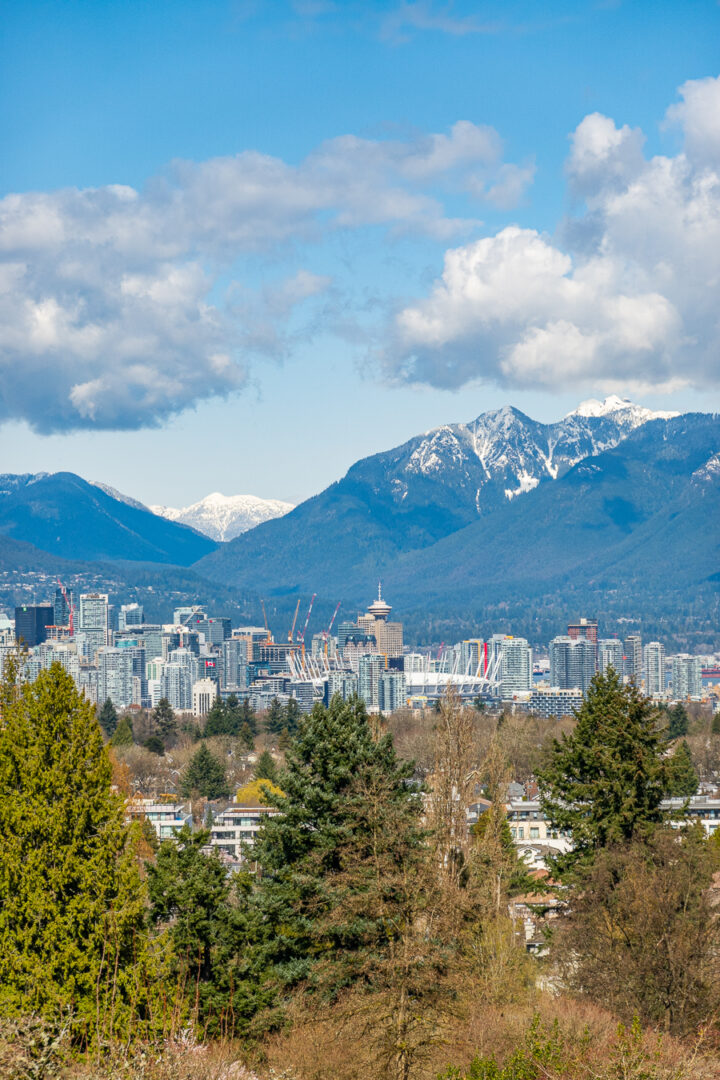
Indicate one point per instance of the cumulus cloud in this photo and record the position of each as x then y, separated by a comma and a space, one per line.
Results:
630, 298
109, 309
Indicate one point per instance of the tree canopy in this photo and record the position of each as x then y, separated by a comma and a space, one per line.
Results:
71, 900
605, 781
204, 776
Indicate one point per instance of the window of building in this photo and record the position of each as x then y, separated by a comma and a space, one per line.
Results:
521, 833
534, 833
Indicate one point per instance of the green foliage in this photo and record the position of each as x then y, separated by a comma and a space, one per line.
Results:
165, 721
155, 745
678, 721
605, 781
204, 776
275, 719
681, 779
642, 933
231, 718
205, 914
292, 716
337, 781
265, 767
246, 737
246, 714
123, 734
515, 875
71, 901
218, 720
108, 717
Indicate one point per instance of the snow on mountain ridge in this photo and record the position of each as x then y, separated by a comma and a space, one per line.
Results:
223, 517
516, 453
615, 404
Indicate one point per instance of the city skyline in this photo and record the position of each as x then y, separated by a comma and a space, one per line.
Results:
137, 140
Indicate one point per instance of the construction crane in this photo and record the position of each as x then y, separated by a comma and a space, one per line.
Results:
70, 607
268, 639
326, 633
291, 635
301, 636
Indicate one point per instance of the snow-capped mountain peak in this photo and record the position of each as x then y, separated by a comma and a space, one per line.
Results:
637, 414
223, 517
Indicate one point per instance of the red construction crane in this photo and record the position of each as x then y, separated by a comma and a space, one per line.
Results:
268, 639
70, 607
326, 633
301, 636
291, 635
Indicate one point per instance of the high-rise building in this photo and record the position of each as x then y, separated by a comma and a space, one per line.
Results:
130, 615
31, 621
392, 691
61, 607
654, 663
388, 635
235, 669
472, 656
516, 670
115, 677
572, 663
344, 683
176, 685
587, 629
345, 630
303, 693
94, 620
611, 655
204, 693
686, 676
370, 668
633, 658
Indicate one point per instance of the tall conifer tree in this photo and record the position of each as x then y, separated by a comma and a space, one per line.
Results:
605, 781
71, 901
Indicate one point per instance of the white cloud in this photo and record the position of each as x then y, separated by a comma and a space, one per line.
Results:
631, 298
425, 15
108, 309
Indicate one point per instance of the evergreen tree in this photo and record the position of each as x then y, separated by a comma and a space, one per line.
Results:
604, 782
205, 913
165, 720
155, 745
681, 779
108, 717
246, 737
71, 900
234, 713
247, 716
123, 734
350, 897
265, 767
275, 719
218, 722
678, 722
292, 716
329, 765
204, 776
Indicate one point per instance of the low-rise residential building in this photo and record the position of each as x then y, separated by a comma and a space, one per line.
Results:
235, 828
165, 818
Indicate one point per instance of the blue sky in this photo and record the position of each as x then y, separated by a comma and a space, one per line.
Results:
244, 244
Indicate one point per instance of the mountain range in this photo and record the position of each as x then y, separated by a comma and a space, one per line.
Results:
223, 517
64, 515
413, 496
612, 509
